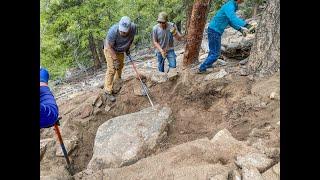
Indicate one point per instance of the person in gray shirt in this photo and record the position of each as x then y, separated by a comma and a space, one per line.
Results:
118, 41
162, 38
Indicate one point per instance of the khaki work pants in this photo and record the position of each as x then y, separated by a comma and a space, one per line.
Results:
112, 74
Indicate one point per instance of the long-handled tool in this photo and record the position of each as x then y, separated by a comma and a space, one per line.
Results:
56, 129
70, 168
144, 87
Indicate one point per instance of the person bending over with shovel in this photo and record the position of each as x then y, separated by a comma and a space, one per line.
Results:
118, 41
49, 111
162, 38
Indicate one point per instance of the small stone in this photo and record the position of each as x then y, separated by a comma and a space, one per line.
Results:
272, 95
99, 103
181, 132
257, 160
97, 111
107, 108
221, 62
243, 62
86, 111
234, 175
250, 77
244, 72
173, 74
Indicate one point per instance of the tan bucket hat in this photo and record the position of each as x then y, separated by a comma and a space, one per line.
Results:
162, 17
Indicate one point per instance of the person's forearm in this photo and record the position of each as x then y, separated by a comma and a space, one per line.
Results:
111, 51
157, 45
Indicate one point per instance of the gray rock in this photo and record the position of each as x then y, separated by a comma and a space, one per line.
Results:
140, 89
234, 175
97, 111
251, 173
216, 75
125, 139
44, 143
57, 173
86, 111
243, 62
235, 45
222, 62
219, 177
228, 147
173, 74
107, 108
272, 173
244, 72
159, 77
70, 145
188, 161
257, 160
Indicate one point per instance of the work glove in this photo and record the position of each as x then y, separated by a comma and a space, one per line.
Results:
173, 30
163, 53
116, 64
44, 75
250, 28
243, 32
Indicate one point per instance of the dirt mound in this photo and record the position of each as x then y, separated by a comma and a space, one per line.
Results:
200, 109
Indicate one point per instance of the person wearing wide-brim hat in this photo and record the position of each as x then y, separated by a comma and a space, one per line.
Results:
162, 37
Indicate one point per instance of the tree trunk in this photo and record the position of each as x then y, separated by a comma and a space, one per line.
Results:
93, 49
195, 31
264, 56
100, 51
188, 15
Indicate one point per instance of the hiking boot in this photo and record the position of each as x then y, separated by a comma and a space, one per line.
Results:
110, 97
202, 72
210, 66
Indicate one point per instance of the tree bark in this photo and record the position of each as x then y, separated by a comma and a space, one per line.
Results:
195, 31
188, 15
93, 50
264, 59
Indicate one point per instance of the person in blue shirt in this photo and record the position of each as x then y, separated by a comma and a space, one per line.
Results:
225, 16
49, 111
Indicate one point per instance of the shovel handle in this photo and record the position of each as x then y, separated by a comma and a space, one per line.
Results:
56, 129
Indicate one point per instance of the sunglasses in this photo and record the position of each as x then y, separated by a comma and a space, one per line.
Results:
161, 22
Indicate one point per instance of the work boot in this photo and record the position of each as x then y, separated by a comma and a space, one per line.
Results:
202, 72
110, 97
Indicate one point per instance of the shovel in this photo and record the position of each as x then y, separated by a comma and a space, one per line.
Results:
143, 85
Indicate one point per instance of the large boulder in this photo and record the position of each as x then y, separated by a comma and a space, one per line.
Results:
272, 173
44, 145
192, 160
228, 147
125, 139
251, 173
199, 159
57, 173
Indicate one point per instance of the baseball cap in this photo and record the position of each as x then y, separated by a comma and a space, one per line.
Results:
124, 24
